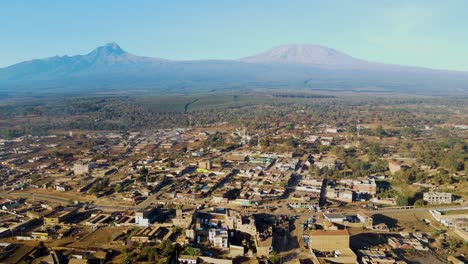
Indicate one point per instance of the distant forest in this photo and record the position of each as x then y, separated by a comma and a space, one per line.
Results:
254, 110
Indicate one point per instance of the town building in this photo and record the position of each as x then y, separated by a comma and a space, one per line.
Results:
326, 162
147, 216
365, 186
205, 164
218, 238
60, 216
437, 197
82, 168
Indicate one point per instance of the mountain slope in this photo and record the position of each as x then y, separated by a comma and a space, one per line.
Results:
110, 68
304, 54
107, 58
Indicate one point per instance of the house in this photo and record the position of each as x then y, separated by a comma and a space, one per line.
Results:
365, 219
147, 216
147, 235
382, 227
182, 219
375, 257
198, 153
332, 130
40, 235
396, 243
82, 168
327, 162
79, 261
330, 246
168, 145
399, 242
218, 238
236, 157
365, 186
335, 218
60, 216
311, 139
344, 195
186, 259
437, 197
326, 141
62, 187
10, 204
205, 164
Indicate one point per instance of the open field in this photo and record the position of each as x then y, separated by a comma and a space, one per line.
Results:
102, 237
226, 100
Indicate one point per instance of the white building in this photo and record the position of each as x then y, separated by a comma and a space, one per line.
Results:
330, 163
331, 130
218, 238
81, 168
146, 217
311, 139
437, 198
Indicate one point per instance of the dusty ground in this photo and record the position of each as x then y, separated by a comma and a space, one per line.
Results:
100, 238
406, 221
65, 197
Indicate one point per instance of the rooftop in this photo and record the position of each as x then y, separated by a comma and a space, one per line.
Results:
342, 232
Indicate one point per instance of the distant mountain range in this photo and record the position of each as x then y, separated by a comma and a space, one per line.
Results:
111, 69
305, 55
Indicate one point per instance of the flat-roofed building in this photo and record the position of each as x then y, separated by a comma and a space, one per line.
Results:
147, 216
365, 186
437, 197
335, 218
218, 238
205, 164
60, 216
82, 168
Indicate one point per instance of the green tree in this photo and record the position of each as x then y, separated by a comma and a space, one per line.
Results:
188, 250
402, 200
128, 257
175, 229
149, 254
419, 203
167, 247
379, 131
117, 188
143, 172
273, 257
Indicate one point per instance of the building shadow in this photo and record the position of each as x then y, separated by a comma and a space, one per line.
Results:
380, 218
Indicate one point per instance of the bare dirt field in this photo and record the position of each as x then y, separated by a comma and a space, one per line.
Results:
406, 221
100, 238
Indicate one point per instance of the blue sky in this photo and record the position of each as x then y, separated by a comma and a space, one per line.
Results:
430, 33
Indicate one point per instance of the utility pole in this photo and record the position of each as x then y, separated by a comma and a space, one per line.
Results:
358, 130
244, 136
